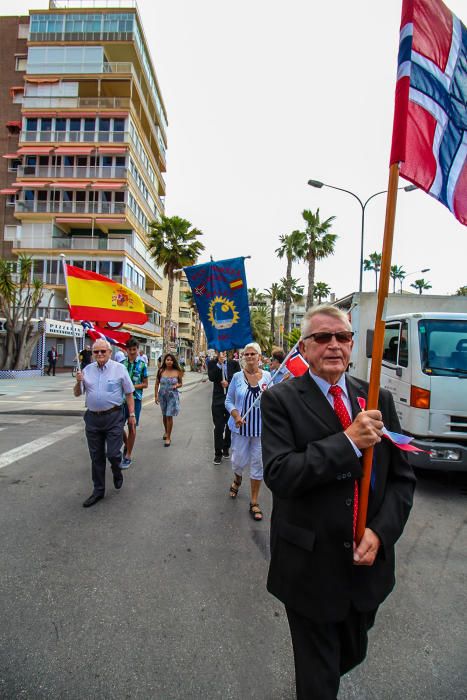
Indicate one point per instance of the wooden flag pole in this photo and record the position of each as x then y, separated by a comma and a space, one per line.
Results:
378, 341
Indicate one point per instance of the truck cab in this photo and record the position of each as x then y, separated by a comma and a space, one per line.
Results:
425, 368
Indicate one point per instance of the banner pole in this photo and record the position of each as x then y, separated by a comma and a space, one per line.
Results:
72, 323
378, 341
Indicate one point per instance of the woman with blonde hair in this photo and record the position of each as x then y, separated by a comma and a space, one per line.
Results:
242, 403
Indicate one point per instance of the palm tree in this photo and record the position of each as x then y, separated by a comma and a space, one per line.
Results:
320, 244
373, 262
260, 323
173, 244
397, 273
293, 248
273, 299
321, 291
421, 285
255, 297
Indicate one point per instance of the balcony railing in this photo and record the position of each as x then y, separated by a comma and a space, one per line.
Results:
76, 102
79, 68
77, 171
95, 136
35, 207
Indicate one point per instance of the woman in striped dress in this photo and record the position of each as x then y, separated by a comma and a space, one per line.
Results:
244, 396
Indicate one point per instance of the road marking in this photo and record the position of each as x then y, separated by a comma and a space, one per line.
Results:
30, 447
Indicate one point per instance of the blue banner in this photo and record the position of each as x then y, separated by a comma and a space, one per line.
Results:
221, 294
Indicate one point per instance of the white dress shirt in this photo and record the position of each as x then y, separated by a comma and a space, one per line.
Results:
106, 386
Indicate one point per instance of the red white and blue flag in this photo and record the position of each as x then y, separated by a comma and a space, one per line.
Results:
430, 117
296, 364
118, 338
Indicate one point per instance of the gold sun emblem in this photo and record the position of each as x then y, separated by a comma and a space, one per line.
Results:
222, 313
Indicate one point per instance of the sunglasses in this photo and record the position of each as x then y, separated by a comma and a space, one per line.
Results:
249, 354
324, 338
99, 352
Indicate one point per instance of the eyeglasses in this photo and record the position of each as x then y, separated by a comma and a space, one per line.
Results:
324, 338
99, 352
249, 354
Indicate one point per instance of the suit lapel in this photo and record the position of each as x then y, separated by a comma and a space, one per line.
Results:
315, 400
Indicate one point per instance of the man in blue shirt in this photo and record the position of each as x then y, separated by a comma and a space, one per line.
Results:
138, 373
105, 383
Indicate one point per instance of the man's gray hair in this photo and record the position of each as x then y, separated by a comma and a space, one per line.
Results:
325, 310
102, 340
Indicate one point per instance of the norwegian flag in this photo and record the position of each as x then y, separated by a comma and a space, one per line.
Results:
430, 116
118, 338
296, 364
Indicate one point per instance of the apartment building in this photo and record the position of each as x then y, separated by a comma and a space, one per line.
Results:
85, 177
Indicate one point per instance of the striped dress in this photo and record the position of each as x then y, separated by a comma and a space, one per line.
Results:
252, 425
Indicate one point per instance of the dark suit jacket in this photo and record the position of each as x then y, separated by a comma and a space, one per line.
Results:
215, 376
310, 467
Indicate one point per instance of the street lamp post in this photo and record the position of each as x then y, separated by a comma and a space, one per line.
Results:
318, 184
425, 269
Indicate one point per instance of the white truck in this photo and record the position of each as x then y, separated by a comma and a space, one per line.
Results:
425, 369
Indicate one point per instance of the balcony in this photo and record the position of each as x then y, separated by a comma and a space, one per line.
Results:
76, 102
148, 298
35, 207
74, 136
70, 171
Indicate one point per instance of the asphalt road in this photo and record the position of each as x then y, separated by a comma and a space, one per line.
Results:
158, 591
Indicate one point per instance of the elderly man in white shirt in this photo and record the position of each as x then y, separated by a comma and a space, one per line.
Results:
105, 383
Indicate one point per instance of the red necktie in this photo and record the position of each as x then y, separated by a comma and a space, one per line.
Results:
345, 420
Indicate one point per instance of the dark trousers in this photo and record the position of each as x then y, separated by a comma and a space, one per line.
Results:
104, 434
324, 652
222, 437
51, 366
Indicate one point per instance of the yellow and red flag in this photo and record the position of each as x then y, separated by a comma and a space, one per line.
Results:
95, 297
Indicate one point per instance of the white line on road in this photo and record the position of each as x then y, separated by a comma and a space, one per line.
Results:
30, 447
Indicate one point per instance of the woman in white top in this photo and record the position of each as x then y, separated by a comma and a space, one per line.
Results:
244, 393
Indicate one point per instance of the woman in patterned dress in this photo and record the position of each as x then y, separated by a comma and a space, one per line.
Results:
168, 382
244, 395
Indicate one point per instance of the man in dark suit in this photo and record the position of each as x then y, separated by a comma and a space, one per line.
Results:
220, 373
314, 429
52, 360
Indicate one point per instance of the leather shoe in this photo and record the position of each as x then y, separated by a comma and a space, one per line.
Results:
118, 481
92, 500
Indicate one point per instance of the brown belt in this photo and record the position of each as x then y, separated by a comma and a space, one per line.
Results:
109, 410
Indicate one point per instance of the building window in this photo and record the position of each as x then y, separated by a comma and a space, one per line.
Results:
23, 33
20, 63
31, 124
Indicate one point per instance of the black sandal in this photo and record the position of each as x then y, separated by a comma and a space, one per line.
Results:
233, 491
256, 512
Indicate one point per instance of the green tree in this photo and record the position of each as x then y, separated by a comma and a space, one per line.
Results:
293, 337
260, 327
462, 291
255, 297
320, 244
421, 284
373, 262
173, 244
293, 248
20, 298
321, 291
397, 273
272, 293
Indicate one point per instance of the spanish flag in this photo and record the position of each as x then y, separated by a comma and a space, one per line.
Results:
95, 297
236, 284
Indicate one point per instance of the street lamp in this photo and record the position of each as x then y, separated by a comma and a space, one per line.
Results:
425, 269
318, 184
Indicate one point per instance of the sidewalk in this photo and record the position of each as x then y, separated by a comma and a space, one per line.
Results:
53, 396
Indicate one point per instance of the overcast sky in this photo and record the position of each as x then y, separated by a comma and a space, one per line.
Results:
264, 95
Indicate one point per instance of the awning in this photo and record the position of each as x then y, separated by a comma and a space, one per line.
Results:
105, 185
10, 156
112, 149
16, 88
31, 184
14, 123
74, 150
34, 150
9, 190
69, 185
42, 80
70, 220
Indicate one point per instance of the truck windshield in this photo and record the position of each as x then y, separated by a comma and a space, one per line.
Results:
443, 347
